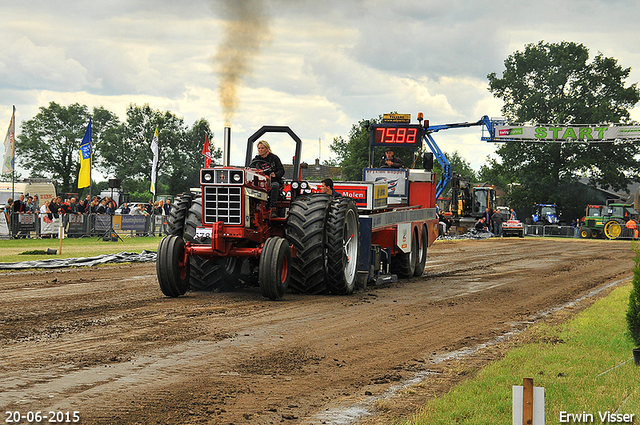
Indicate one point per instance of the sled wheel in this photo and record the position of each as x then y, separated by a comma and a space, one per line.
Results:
275, 268
172, 266
421, 258
404, 263
178, 214
342, 246
612, 229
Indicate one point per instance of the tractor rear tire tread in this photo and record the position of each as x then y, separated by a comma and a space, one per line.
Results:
178, 214
305, 230
342, 227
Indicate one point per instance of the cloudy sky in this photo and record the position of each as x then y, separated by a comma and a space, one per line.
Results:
316, 66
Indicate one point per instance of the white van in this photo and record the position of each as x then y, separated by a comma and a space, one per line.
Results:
43, 188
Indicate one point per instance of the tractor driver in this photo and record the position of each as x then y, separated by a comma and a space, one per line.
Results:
391, 161
271, 165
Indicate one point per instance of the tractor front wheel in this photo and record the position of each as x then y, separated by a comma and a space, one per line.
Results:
275, 268
172, 267
585, 233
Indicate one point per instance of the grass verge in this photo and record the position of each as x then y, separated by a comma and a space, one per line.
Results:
580, 363
72, 248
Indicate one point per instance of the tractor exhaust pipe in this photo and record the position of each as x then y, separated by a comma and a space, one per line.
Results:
226, 149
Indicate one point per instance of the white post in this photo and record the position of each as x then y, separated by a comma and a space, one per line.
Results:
518, 405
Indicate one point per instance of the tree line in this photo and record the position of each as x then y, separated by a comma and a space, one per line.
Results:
48, 147
547, 83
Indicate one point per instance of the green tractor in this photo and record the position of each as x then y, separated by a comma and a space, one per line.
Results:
607, 221
592, 225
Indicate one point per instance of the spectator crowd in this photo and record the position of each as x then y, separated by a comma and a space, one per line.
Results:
57, 208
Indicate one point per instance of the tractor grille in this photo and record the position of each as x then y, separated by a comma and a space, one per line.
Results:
222, 203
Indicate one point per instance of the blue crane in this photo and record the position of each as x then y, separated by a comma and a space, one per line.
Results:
442, 159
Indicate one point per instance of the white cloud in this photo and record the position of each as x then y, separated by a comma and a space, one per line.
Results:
323, 67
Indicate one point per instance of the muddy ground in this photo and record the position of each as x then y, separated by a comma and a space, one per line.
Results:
105, 342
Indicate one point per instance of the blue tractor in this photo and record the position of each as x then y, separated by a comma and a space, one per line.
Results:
545, 215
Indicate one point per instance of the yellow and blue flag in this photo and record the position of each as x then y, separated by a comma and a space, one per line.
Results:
84, 178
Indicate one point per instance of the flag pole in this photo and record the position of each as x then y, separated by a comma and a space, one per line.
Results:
90, 164
13, 161
204, 163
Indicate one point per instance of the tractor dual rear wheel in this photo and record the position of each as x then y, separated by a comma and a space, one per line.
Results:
193, 221
208, 274
342, 246
305, 230
213, 275
178, 214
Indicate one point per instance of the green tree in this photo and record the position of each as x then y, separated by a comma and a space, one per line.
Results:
48, 143
188, 159
552, 83
494, 173
125, 151
458, 164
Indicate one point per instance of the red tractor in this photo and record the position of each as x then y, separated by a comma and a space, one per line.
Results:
310, 245
313, 243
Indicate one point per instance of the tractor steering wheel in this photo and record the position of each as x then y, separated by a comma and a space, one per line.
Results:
259, 164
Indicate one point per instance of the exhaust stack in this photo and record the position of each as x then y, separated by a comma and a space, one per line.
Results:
226, 150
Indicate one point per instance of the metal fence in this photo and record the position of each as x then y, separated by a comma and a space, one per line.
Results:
36, 225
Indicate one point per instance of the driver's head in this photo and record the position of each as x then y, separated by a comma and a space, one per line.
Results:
326, 186
263, 148
389, 153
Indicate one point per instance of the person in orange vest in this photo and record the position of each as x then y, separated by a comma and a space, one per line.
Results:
632, 225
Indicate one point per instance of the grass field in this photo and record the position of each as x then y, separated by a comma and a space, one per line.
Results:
10, 250
585, 366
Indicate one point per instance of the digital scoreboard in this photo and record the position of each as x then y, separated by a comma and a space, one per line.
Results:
397, 135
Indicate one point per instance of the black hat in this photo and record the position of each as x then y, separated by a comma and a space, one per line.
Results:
389, 149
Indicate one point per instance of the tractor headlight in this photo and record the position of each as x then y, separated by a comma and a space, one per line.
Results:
207, 177
236, 177
295, 185
304, 185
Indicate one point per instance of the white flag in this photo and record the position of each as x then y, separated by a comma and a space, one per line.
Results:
8, 164
154, 149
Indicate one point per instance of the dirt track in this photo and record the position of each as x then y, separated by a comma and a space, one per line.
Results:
106, 342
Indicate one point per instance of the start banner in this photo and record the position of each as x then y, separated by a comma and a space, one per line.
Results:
573, 133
